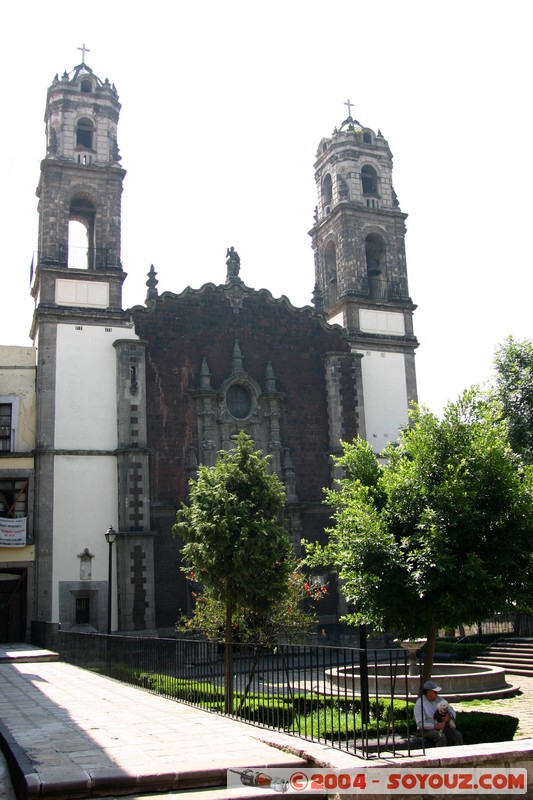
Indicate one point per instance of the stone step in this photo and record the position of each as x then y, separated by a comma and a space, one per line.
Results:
507, 658
511, 657
514, 655
20, 653
510, 668
526, 673
518, 639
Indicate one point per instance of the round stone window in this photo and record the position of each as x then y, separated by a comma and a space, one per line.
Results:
239, 401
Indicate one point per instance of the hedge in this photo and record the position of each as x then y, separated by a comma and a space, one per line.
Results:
479, 727
463, 651
325, 716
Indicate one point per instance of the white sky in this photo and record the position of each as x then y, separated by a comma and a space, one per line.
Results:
223, 107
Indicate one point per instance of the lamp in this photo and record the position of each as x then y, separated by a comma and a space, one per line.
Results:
110, 536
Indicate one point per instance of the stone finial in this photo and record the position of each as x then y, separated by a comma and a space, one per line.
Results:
270, 379
318, 300
192, 459
205, 375
53, 145
289, 476
152, 282
115, 151
237, 358
287, 460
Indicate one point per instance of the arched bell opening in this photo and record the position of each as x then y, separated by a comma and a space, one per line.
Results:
375, 265
81, 249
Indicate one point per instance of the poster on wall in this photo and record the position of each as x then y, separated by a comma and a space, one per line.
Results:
13, 532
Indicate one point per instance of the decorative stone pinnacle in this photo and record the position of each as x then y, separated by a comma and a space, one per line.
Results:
151, 283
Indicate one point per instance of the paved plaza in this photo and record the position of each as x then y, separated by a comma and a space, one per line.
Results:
74, 734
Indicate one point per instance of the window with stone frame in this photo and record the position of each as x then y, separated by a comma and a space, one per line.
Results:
239, 401
13, 497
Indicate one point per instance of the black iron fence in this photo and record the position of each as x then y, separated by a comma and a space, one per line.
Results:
355, 700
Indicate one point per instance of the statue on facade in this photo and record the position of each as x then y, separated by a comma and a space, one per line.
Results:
233, 263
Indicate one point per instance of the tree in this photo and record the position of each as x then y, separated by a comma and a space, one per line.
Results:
236, 543
439, 534
292, 617
513, 362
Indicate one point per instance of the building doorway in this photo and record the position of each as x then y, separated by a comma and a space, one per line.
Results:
12, 605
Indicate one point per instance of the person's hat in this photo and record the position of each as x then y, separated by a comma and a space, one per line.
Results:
431, 686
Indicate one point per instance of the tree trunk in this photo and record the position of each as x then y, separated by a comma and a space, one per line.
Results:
429, 651
228, 660
255, 661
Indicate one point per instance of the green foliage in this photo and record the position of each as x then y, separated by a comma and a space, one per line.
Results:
476, 638
442, 532
321, 716
292, 617
462, 651
342, 720
478, 727
513, 362
236, 544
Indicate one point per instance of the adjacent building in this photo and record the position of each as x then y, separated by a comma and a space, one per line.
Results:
17, 482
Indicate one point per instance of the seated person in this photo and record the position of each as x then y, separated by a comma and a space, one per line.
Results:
434, 725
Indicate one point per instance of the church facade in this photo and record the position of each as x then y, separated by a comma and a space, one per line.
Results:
130, 401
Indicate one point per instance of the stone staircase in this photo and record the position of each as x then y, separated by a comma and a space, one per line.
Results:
514, 655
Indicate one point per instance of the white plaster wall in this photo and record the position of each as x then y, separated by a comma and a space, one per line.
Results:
85, 505
385, 396
86, 405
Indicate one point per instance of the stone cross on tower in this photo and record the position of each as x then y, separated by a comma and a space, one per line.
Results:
346, 104
86, 50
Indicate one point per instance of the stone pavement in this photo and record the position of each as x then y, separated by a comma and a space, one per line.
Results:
76, 734
521, 706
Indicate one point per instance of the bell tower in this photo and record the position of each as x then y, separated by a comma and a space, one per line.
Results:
80, 190
91, 460
361, 272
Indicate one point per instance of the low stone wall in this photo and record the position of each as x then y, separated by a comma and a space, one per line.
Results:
495, 755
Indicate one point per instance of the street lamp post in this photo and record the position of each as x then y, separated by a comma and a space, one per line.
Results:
110, 536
